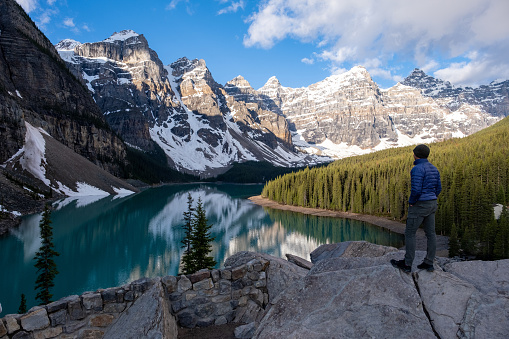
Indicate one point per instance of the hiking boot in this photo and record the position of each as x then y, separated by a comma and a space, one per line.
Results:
401, 265
427, 267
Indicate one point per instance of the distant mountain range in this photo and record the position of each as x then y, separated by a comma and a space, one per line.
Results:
204, 127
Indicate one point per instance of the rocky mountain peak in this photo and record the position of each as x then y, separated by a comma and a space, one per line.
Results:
124, 35
273, 82
359, 70
419, 79
239, 82
184, 65
355, 74
126, 46
67, 45
492, 98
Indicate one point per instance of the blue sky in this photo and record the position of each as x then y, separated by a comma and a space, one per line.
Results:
301, 41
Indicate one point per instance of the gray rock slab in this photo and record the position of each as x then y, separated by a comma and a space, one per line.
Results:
61, 304
36, 320
342, 263
350, 249
374, 301
299, 261
445, 297
12, 322
469, 300
487, 276
148, 317
245, 331
92, 301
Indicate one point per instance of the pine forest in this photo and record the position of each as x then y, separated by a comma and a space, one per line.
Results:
475, 176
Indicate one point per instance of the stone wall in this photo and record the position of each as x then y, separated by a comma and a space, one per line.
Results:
220, 296
86, 316
150, 306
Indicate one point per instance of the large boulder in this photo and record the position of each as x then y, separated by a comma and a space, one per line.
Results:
148, 317
352, 291
469, 300
348, 298
280, 273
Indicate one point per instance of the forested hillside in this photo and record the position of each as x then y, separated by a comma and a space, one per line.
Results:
475, 175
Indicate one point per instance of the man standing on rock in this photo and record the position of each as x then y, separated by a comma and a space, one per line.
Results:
426, 187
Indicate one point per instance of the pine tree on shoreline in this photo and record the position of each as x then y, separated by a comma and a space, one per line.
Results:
202, 239
23, 305
197, 239
46, 267
188, 266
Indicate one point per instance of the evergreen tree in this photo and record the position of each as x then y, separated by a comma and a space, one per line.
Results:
23, 305
188, 262
454, 246
501, 247
201, 239
46, 267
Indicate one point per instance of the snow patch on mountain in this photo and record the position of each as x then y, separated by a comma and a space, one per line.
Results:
33, 159
67, 45
122, 36
191, 152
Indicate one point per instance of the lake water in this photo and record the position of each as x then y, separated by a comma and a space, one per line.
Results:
108, 241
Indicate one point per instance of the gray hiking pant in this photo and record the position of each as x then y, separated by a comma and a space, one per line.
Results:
422, 212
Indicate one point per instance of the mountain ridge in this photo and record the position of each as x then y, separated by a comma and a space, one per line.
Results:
344, 114
202, 129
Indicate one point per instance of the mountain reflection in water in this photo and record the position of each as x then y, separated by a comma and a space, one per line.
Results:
109, 241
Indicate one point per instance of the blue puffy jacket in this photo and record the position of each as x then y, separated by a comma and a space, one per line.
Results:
426, 183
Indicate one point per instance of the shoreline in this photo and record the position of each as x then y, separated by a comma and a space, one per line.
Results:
390, 225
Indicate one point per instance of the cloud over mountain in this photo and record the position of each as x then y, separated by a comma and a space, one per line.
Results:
467, 41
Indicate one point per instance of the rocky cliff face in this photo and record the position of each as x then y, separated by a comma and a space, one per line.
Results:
349, 114
43, 109
201, 127
127, 80
35, 86
492, 98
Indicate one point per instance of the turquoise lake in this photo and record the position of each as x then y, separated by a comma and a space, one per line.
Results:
109, 241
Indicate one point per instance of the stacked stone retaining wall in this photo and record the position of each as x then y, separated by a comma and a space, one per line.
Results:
205, 298
85, 316
219, 296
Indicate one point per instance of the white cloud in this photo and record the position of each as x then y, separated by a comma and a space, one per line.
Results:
51, 2
474, 72
233, 8
86, 28
308, 61
351, 31
45, 17
430, 65
173, 4
69, 22
28, 5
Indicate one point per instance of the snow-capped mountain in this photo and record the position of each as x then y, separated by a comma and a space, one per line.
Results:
492, 98
204, 127
180, 107
349, 114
